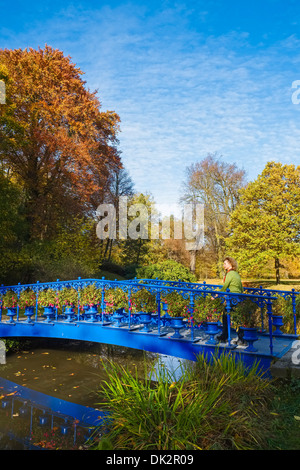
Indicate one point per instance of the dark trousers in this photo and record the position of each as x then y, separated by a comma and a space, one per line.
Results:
224, 334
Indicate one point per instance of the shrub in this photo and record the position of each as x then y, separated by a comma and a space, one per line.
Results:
212, 406
115, 299
9, 299
166, 270
90, 295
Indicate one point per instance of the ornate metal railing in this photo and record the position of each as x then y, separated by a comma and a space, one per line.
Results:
287, 295
159, 290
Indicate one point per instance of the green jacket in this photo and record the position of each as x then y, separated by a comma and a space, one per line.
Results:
233, 282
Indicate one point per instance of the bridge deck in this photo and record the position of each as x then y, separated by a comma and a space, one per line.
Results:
162, 341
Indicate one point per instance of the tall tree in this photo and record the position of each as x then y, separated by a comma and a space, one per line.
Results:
120, 184
53, 136
266, 223
216, 185
13, 227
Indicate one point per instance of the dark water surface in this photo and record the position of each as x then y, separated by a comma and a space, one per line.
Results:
69, 371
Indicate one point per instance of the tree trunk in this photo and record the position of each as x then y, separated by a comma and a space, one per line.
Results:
277, 265
193, 261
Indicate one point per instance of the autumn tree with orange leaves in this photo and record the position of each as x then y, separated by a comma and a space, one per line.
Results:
55, 141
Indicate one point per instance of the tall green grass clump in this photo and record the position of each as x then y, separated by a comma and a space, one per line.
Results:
214, 405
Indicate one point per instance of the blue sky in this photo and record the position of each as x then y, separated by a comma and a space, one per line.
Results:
187, 78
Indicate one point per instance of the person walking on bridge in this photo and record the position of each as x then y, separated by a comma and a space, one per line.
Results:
232, 281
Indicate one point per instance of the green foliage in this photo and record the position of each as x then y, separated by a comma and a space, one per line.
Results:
211, 406
13, 227
265, 224
282, 423
208, 309
166, 270
143, 301
115, 299
10, 299
245, 314
68, 296
27, 298
90, 295
48, 298
177, 305
205, 308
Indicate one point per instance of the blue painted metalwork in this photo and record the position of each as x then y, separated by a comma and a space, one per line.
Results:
287, 295
54, 411
141, 330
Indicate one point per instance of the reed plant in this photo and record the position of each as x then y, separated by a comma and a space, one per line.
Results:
213, 405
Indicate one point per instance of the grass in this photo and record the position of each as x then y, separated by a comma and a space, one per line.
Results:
215, 405
284, 416
285, 284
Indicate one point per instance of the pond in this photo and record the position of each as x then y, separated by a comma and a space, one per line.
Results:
49, 392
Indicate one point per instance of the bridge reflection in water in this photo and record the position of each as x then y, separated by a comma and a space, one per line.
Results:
150, 329
38, 421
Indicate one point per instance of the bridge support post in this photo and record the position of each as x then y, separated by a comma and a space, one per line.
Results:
2, 352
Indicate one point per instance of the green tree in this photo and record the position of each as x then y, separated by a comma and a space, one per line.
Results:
266, 223
13, 227
137, 248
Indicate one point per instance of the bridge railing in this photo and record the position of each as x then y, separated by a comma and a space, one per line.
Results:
158, 290
290, 295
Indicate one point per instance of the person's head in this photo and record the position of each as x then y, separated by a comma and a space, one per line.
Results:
230, 263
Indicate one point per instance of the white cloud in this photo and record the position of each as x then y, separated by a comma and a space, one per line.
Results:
181, 94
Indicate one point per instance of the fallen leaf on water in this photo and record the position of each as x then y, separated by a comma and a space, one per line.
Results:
45, 353
72, 373
76, 386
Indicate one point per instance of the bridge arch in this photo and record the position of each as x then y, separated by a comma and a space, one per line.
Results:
130, 330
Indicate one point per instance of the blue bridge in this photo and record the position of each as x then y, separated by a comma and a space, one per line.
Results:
138, 314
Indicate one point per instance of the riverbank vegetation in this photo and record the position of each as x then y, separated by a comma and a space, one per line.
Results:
217, 405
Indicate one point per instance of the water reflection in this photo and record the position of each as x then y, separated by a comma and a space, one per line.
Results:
49, 394
28, 423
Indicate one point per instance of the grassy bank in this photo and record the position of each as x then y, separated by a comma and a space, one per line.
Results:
213, 406
285, 284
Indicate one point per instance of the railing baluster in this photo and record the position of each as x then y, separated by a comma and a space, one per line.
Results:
269, 311
158, 301
294, 311
192, 315
228, 310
